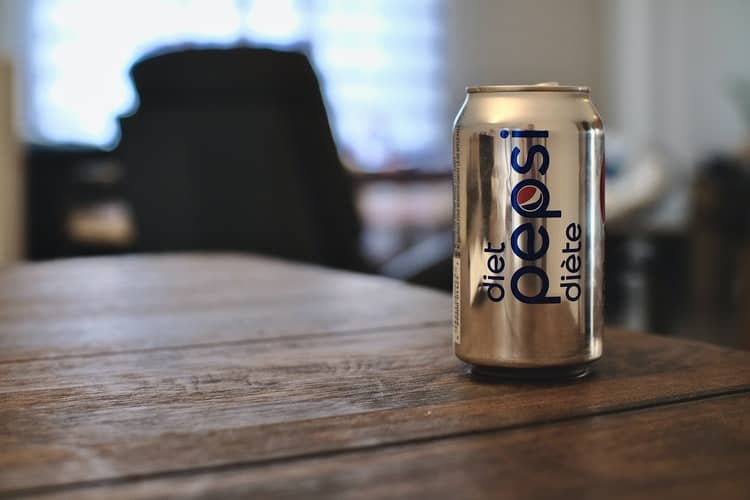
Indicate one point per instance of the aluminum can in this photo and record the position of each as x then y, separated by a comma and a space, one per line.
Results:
528, 188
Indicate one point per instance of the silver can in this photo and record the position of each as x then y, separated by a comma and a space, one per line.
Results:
528, 184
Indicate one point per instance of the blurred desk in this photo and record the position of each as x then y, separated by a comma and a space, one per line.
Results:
230, 376
400, 210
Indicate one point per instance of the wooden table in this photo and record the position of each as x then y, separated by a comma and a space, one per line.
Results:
211, 376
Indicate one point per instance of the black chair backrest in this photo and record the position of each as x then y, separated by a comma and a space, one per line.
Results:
230, 149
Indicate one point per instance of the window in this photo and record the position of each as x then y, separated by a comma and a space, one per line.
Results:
378, 62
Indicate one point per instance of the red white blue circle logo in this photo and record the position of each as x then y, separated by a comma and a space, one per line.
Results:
529, 198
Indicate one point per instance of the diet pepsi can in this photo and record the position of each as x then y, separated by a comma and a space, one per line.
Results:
528, 187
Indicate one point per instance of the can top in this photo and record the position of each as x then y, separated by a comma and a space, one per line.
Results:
538, 87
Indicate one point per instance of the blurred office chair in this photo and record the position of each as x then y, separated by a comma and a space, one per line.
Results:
230, 149
720, 233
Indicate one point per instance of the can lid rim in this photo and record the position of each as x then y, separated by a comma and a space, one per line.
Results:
539, 87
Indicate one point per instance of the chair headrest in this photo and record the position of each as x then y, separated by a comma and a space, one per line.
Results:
235, 71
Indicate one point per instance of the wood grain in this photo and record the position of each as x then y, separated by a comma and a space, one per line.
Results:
115, 369
692, 450
90, 418
95, 305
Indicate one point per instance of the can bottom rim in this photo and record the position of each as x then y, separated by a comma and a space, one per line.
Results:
496, 373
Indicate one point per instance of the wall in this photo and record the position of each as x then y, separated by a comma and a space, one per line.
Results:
669, 72
660, 71
11, 173
13, 26
11, 183
532, 41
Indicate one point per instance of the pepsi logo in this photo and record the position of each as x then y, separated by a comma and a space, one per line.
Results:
529, 198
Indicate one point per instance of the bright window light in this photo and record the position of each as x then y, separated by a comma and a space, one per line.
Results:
378, 62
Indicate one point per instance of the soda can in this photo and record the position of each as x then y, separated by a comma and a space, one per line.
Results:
528, 187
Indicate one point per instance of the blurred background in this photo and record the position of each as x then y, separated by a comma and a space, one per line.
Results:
320, 131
